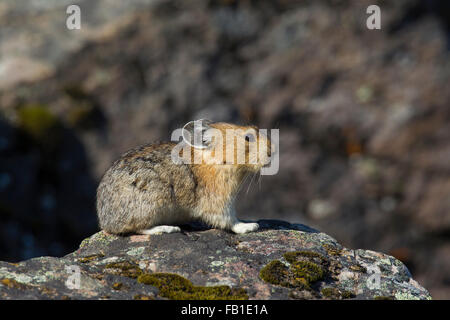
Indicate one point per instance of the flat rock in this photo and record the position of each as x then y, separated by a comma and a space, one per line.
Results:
281, 261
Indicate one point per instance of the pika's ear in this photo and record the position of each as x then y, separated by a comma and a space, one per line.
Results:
194, 133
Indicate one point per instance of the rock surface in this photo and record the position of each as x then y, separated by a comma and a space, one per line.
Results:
363, 114
281, 261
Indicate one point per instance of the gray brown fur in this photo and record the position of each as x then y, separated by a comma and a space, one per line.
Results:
145, 189
141, 183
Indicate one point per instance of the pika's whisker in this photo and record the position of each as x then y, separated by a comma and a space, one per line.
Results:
242, 183
259, 181
251, 181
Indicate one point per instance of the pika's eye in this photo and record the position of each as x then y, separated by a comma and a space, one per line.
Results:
249, 137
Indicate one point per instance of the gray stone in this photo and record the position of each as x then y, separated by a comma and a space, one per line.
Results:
111, 267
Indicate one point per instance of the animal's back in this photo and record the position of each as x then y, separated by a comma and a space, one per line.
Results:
144, 187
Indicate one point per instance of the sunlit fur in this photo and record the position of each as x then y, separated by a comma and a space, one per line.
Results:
145, 188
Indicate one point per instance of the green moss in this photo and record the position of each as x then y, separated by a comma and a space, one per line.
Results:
12, 284
143, 297
306, 272
346, 294
358, 268
117, 285
306, 268
383, 298
276, 272
47, 291
124, 268
330, 292
173, 286
91, 258
38, 123
332, 250
334, 293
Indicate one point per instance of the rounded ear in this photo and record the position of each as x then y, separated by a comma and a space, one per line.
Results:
194, 133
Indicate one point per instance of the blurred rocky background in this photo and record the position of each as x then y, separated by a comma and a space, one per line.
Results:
364, 115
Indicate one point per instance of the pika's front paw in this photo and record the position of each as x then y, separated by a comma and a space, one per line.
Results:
242, 227
160, 230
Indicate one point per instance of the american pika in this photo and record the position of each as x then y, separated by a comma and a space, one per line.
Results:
145, 191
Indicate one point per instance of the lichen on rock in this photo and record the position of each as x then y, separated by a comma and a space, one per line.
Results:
281, 261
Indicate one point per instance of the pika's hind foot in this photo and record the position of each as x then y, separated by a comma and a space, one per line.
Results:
242, 227
160, 230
